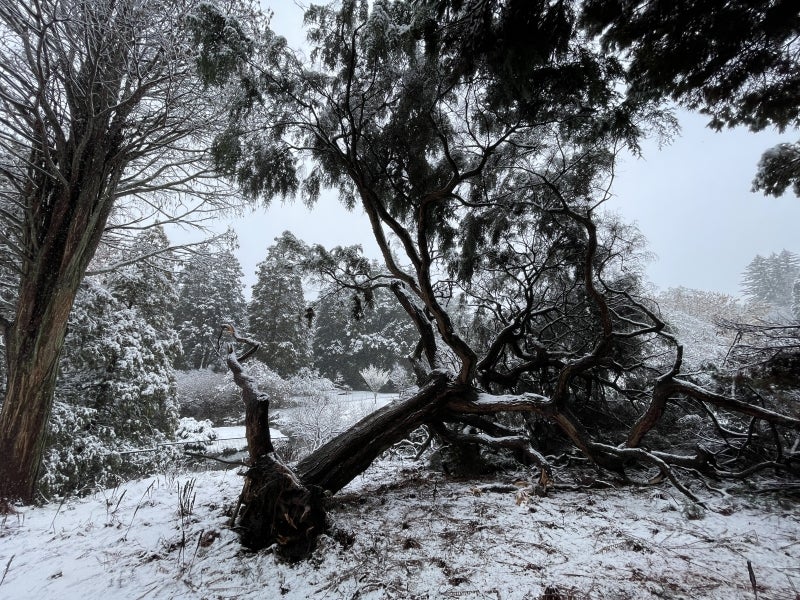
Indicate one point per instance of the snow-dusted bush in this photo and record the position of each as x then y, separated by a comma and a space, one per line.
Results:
691, 316
116, 392
316, 415
83, 455
313, 423
206, 394
402, 380
308, 384
375, 378
199, 433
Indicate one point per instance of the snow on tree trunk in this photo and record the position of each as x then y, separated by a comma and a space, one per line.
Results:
277, 508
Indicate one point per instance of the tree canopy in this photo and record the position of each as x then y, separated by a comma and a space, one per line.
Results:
277, 308
733, 61
210, 293
104, 130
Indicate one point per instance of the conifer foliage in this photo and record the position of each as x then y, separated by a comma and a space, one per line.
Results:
770, 280
733, 60
210, 293
116, 390
277, 308
344, 345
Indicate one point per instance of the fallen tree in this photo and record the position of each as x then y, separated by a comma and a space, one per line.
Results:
487, 209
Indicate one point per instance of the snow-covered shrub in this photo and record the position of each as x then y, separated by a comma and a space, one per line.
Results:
308, 384
402, 380
311, 424
207, 394
83, 455
316, 415
116, 394
375, 378
278, 390
199, 433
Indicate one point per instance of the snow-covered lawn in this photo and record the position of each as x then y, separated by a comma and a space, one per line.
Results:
401, 531
347, 408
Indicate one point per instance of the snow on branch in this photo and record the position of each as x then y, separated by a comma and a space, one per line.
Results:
490, 403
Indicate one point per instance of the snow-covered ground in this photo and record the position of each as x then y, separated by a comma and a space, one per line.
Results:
400, 531
348, 408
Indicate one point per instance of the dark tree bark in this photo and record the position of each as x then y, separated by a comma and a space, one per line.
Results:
335, 464
276, 507
285, 508
100, 101
64, 227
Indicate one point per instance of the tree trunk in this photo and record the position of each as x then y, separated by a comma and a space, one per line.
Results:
62, 234
337, 463
33, 348
276, 507
285, 508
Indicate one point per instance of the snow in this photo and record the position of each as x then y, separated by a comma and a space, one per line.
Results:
401, 531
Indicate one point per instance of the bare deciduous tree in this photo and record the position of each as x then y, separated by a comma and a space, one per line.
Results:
375, 378
104, 128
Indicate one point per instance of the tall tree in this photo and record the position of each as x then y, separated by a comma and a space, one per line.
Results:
210, 292
771, 280
467, 190
102, 123
277, 307
735, 61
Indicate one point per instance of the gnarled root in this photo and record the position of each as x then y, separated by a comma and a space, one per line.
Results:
278, 509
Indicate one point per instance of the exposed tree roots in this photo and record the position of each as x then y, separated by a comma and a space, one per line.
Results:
278, 509
284, 508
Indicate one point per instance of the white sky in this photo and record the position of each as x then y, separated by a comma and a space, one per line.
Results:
692, 201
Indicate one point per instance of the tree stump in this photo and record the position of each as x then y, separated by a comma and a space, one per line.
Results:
279, 509
276, 508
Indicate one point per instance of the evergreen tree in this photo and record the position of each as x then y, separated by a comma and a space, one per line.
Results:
211, 293
733, 60
116, 389
388, 113
796, 300
346, 341
771, 280
275, 312
104, 122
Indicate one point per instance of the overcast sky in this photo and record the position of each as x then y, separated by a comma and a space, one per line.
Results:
691, 199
